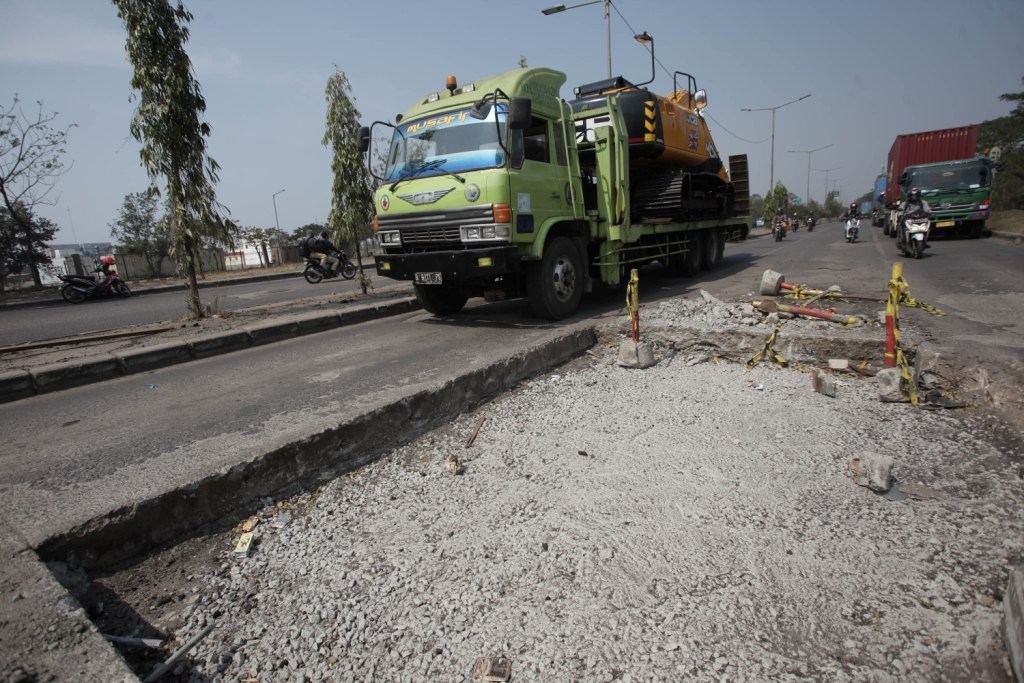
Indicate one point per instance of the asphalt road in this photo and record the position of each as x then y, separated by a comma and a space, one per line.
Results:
49, 321
67, 456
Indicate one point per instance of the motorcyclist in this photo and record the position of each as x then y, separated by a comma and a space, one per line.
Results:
106, 266
913, 207
324, 249
853, 212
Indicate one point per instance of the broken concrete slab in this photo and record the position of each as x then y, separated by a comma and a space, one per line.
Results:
872, 470
636, 354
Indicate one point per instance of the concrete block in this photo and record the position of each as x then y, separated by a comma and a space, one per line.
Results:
15, 384
771, 283
636, 354
152, 357
823, 384
838, 364
216, 344
872, 470
317, 322
272, 332
58, 376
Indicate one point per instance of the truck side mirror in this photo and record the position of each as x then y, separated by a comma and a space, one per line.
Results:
480, 110
520, 112
363, 138
700, 100
903, 178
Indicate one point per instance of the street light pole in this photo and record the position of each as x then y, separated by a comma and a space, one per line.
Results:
808, 152
827, 171
773, 110
273, 197
607, 21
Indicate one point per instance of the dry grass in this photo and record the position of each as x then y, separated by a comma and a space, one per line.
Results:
1007, 221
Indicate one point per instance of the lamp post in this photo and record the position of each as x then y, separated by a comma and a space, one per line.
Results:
827, 171
273, 198
808, 152
773, 110
607, 20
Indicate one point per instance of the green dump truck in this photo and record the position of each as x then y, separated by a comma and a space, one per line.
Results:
499, 188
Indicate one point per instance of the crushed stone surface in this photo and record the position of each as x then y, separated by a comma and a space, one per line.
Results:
695, 520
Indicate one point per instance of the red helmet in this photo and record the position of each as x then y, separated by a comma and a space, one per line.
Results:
108, 260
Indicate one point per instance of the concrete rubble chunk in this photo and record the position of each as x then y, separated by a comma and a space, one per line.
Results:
889, 386
636, 354
823, 384
1013, 621
838, 364
872, 470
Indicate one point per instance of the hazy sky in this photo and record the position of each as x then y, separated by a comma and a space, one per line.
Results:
875, 69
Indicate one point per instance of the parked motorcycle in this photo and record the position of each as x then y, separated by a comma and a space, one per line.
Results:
78, 288
315, 273
852, 229
912, 235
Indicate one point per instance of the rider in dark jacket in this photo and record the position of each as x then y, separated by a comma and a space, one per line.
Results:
324, 249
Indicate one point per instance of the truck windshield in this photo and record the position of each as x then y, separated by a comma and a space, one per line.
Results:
452, 142
959, 177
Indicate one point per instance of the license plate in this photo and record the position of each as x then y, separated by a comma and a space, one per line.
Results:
945, 224
427, 278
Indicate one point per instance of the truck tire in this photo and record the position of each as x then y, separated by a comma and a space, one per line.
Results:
555, 285
440, 299
713, 250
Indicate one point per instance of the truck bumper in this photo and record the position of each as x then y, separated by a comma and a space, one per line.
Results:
465, 267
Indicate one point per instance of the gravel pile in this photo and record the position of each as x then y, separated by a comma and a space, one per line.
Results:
691, 521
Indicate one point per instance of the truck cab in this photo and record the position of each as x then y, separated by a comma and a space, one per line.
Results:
958, 193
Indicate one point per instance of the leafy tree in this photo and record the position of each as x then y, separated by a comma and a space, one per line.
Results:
832, 205
168, 124
139, 230
18, 251
352, 194
30, 163
756, 205
1006, 133
299, 234
778, 200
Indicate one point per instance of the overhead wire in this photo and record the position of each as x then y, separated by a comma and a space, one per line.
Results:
669, 74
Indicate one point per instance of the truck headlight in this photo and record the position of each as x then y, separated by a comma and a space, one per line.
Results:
490, 232
389, 238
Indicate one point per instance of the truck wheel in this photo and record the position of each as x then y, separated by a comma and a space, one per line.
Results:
555, 285
439, 299
713, 249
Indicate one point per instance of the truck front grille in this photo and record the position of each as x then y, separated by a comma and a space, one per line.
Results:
438, 228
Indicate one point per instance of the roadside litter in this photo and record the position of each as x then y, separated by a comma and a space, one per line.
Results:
492, 669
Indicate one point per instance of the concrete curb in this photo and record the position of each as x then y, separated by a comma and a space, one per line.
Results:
45, 298
19, 384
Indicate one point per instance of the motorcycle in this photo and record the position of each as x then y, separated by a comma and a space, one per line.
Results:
912, 237
78, 288
795, 223
810, 225
315, 273
852, 229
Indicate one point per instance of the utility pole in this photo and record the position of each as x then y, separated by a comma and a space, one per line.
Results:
773, 110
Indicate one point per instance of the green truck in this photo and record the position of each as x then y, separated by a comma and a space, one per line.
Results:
955, 181
499, 189
957, 192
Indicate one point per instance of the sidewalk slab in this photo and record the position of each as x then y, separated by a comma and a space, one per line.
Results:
44, 632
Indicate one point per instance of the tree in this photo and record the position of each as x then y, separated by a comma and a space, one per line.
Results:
832, 205
756, 205
299, 234
169, 126
139, 230
30, 163
352, 194
1006, 133
778, 201
18, 252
